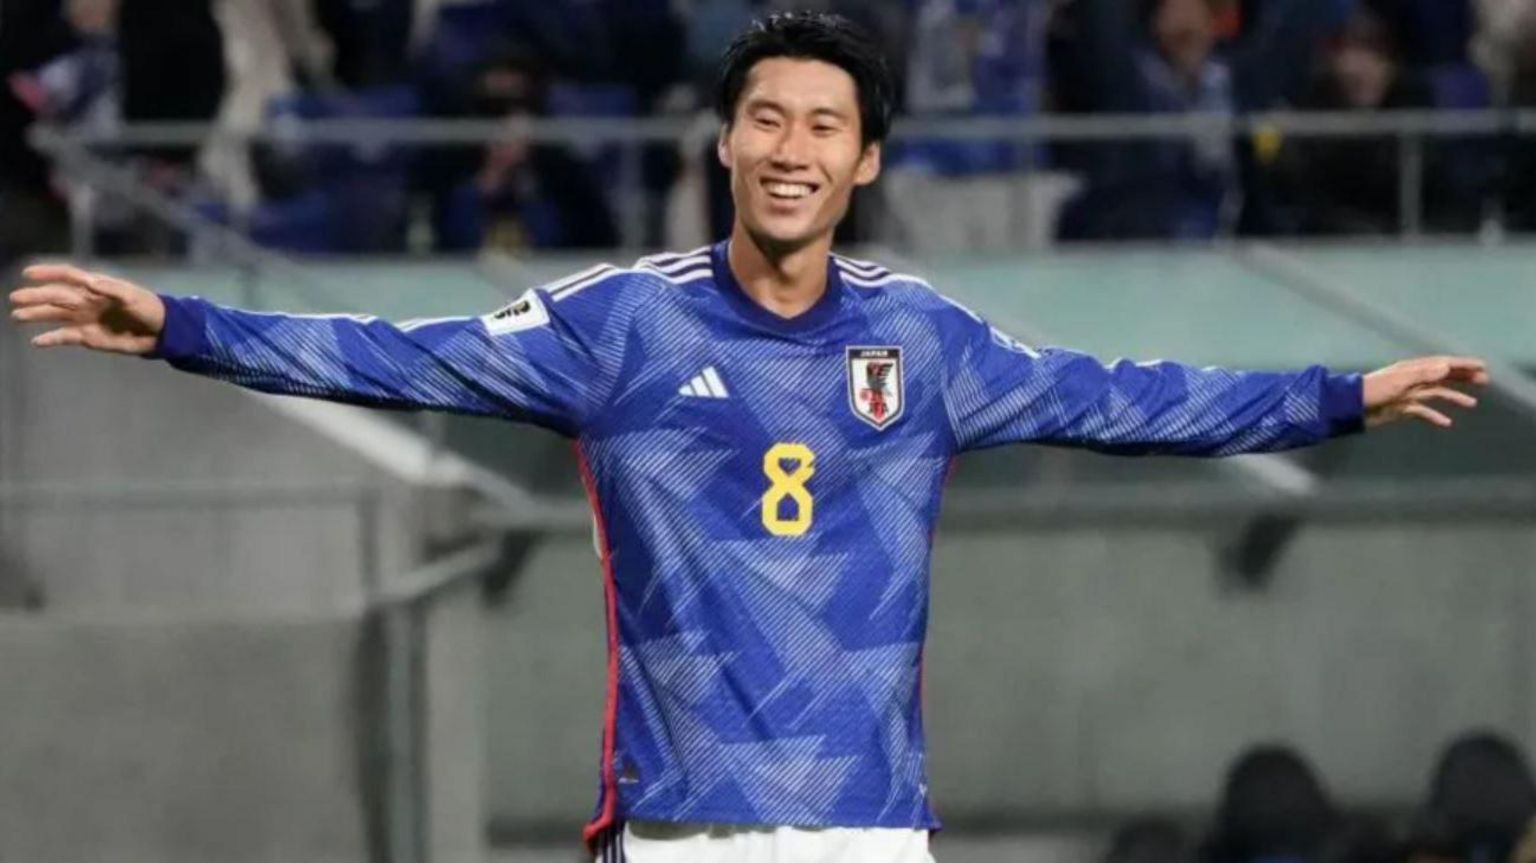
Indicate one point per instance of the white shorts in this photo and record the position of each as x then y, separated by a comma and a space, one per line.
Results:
661, 842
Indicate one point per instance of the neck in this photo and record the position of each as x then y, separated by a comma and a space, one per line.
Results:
784, 280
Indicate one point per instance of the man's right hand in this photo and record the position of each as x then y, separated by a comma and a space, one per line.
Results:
95, 310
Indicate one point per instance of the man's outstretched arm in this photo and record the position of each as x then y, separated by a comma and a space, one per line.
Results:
1004, 392
530, 361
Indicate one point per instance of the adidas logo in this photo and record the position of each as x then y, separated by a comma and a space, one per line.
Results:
705, 385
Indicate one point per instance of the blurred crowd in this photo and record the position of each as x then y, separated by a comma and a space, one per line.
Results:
92, 66
1480, 807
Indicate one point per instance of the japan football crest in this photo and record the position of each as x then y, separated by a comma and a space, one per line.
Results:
875, 384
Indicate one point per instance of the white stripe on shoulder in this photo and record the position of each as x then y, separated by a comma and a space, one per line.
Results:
560, 284
362, 319
682, 276
676, 266
868, 269
666, 259
418, 323
882, 281
602, 275
689, 277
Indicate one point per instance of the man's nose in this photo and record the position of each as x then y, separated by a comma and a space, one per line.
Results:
791, 150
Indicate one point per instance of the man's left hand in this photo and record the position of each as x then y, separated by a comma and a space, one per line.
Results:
1408, 388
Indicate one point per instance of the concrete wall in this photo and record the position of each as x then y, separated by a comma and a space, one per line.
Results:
196, 680
179, 741
1085, 672
73, 417
455, 732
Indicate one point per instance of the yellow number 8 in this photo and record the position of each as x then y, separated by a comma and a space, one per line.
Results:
790, 485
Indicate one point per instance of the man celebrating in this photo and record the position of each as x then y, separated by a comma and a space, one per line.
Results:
764, 428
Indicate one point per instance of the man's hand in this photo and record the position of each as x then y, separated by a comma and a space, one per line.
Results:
96, 310
1405, 389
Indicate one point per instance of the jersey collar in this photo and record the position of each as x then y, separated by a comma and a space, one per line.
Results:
822, 311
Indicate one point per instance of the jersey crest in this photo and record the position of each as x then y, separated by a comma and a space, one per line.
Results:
875, 384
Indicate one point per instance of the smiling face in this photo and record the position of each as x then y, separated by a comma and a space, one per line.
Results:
796, 152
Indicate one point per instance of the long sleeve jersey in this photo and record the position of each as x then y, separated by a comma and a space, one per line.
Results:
766, 490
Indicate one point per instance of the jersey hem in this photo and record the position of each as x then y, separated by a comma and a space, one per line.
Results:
930, 822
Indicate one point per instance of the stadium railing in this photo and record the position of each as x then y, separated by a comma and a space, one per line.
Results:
1412, 130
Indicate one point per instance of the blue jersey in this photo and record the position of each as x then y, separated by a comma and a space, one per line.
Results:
766, 490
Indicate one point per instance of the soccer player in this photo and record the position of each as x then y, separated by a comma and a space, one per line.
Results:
763, 429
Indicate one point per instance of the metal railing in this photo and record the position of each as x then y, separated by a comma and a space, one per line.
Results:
691, 136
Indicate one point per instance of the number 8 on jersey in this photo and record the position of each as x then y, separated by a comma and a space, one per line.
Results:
788, 484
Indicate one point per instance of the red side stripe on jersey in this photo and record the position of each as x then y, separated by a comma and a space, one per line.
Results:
922, 649
605, 819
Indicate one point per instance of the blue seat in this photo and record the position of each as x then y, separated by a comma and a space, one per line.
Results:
302, 224
568, 99
1460, 86
1468, 164
354, 197
331, 161
597, 100
462, 221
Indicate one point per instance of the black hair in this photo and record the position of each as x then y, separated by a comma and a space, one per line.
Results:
1271, 805
812, 36
1484, 793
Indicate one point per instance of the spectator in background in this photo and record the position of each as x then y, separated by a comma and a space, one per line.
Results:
522, 194
32, 215
1503, 42
1163, 56
79, 92
172, 60
1272, 805
1518, 64
1483, 795
972, 58
372, 39
272, 47
79, 88
1352, 186
173, 66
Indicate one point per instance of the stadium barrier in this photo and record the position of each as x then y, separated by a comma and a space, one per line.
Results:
691, 136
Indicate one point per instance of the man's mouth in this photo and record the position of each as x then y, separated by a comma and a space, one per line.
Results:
786, 191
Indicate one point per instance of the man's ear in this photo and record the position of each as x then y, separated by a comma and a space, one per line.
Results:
723, 147
869, 165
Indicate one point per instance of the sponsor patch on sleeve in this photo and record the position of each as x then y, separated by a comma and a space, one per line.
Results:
523, 313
